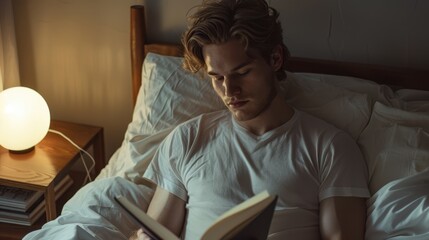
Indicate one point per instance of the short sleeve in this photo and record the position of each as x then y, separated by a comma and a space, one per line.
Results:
343, 170
165, 170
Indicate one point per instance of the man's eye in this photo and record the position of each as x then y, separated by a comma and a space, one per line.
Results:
217, 78
242, 73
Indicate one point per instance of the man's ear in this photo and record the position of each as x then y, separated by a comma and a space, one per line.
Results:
276, 57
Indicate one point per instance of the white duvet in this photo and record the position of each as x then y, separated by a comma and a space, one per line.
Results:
92, 213
399, 210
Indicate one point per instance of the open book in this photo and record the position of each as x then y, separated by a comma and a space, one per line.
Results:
250, 219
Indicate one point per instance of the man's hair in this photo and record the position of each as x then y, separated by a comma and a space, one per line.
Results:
252, 22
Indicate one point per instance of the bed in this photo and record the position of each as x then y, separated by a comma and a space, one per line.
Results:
386, 110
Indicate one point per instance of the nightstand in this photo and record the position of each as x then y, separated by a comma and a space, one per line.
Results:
52, 159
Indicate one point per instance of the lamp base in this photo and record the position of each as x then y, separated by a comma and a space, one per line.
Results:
22, 151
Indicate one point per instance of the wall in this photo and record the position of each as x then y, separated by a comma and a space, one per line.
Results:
387, 32
76, 52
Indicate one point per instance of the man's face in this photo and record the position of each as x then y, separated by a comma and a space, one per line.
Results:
247, 85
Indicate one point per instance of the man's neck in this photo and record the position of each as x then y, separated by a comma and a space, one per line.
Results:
276, 115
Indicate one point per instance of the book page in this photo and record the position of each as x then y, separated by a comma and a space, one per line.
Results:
234, 219
231, 222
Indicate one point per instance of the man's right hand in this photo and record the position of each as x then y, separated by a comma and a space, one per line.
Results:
140, 235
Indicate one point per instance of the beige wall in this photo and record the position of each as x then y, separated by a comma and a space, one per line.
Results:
76, 52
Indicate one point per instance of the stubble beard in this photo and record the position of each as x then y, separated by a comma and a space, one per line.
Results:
264, 107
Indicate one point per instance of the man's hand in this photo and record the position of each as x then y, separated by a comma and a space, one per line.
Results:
139, 235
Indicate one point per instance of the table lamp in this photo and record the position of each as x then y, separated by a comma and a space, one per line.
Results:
24, 119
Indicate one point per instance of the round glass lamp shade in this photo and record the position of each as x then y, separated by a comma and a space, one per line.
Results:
24, 118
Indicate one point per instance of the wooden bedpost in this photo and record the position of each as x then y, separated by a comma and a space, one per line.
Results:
137, 41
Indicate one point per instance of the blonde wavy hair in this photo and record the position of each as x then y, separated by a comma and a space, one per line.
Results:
252, 22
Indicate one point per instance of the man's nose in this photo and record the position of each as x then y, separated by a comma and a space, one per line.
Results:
231, 88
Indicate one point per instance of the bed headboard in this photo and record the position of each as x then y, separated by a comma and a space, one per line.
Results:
392, 76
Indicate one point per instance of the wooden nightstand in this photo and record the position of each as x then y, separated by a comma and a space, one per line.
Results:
52, 159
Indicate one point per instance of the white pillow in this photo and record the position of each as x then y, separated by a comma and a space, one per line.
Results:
412, 95
376, 92
413, 100
169, 95
345, 109
416, 106
141, 150
395, 144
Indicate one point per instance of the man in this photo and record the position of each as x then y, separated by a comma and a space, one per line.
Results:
217, 160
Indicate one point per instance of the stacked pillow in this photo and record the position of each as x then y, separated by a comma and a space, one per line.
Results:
170, 95
395, 144
323, 96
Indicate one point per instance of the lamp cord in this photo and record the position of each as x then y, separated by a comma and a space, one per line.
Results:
88, 170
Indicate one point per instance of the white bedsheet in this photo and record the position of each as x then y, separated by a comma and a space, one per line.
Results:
132, 158
92, 213
400, 209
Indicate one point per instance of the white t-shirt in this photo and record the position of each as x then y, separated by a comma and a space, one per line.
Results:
213, 163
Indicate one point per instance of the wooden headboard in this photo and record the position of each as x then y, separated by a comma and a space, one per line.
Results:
392, 76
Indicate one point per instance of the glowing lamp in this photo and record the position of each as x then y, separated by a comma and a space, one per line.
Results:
24, 119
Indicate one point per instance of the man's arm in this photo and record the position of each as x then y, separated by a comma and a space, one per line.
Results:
343, 218
167, 209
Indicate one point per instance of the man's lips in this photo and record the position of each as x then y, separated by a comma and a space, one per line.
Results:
236, 104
